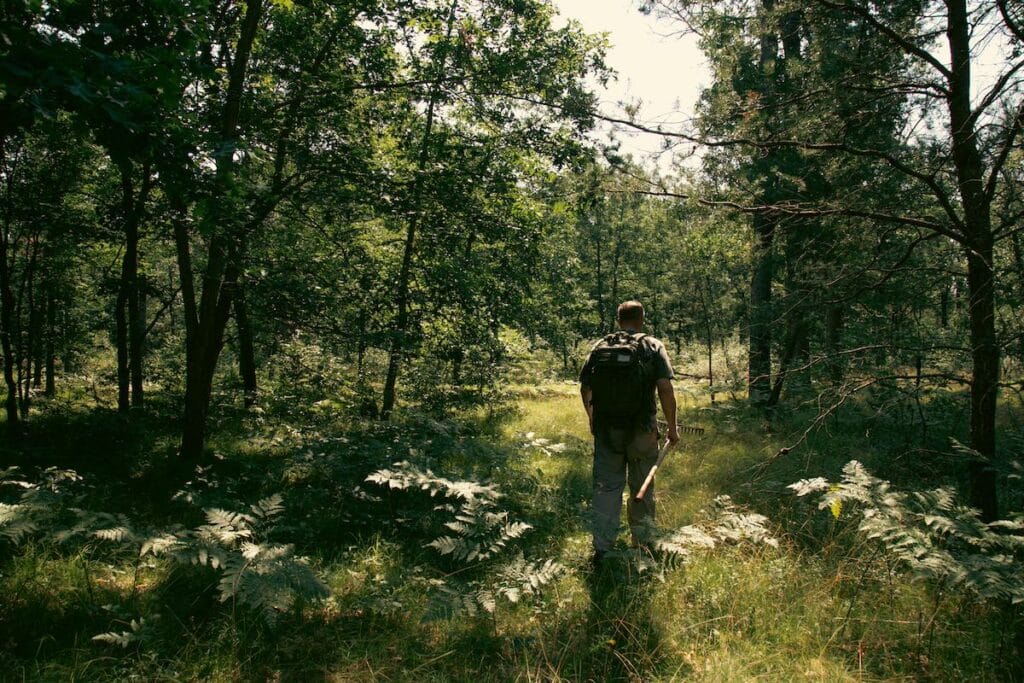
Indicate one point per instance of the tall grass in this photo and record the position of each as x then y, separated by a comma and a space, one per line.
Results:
820, 606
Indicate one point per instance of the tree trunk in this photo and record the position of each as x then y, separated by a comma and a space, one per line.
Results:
26, 340
759, 357
794, 343
834, 315
400, 333
137, 337
51, 334
206, 321
361, 346
980, 274
129, 313
759, 337
984, 380
599, 275
36, 312
129, 267
246, 351
944, 306
796, 307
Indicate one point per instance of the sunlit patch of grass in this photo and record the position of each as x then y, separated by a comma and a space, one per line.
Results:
821, 606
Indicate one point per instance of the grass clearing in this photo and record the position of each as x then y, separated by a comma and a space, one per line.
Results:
821, 606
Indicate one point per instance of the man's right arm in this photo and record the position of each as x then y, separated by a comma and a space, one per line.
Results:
667, 396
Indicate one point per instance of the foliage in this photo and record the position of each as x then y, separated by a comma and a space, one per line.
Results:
725, 524
255, 572
929, 533
37, 506
479, 533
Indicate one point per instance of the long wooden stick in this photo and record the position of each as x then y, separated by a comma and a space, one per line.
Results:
661, 458
650, 475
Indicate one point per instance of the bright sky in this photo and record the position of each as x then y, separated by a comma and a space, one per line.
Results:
665, 72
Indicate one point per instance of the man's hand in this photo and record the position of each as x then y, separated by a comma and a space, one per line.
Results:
673, 435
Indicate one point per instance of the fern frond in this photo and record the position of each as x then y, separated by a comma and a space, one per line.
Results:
268, 508
935, 538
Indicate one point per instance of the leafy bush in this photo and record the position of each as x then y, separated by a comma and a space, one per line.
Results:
476, 532
929, 533
255, 572
726, 524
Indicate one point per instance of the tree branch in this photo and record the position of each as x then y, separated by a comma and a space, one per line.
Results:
892, 34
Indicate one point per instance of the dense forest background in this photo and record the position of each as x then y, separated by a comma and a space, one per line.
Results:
303, 258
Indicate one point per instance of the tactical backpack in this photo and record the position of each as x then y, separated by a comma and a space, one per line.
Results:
619, 377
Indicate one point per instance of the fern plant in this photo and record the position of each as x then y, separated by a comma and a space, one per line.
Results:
255, 572
36, 505
726, 523
478, 533
138, 631
930, 534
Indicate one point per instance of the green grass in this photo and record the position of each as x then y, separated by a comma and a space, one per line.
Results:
820, 607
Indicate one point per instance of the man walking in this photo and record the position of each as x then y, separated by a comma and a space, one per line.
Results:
617, 384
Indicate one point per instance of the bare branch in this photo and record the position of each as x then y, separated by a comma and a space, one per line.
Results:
1004, 152
1015, 29
892, 34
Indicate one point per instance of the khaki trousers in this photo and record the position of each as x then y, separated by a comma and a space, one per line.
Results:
622, 455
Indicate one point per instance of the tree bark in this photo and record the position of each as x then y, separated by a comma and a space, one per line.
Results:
980, 274
246, 350
400, 333
51, 334
211, 314
759, 337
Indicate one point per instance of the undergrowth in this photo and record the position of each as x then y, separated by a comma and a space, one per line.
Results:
320, 545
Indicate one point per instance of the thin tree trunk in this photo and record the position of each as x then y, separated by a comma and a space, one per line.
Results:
600, 288
980, 273
137, 338
796, 310
130, 314
129, 267
794, 343
759, 357
212, 312
400, 332
246, 351
1018, 260
361, 345
759, 336
23, 352
834, 315
51, 333
35, 331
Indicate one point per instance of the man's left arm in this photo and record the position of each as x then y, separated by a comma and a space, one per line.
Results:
586, 393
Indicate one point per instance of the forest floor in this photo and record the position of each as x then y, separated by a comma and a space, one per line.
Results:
817, 603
